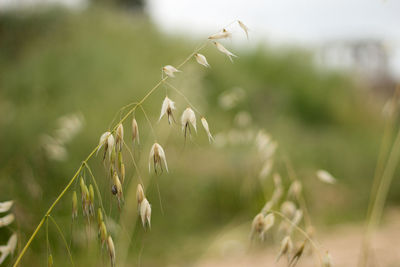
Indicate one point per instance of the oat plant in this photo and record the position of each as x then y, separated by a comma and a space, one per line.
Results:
110, 148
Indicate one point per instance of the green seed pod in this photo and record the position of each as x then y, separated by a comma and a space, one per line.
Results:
122, 173
50, 261
103, 232
99, 217
82, 184
74, 205
113, 156
91, 194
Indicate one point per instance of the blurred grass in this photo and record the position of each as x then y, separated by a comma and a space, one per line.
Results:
95, 61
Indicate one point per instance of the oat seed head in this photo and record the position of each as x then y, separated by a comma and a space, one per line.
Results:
170, 70
202, 60
135, 131
222, 49
111, 250
7, 220
188, 116
244, 27
6, 206
207, 129
221, 35
167, 107
325, 177
157, 155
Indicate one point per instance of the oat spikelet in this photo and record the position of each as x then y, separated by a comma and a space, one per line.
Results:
74, 205
288, 208
170, 70
167, 107
327, 260
9, 248
188, 116
117, 188
297, 255
286, 248
111, 250
99, 217
139, 195
103, 141
202, 60
261, 224
103, 233
6, 206
221, 35
119, 136
145, 213
110, 146
207, 129
135, 131
222, 49
91, 200
245, 28
157, 155
50, 261
325, 177
295, 189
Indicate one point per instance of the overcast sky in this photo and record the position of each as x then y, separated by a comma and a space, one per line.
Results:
301, 22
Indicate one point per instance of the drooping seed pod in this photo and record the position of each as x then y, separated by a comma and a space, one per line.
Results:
103, 232
157, 155
261, 224
244, 27
50, 261
139, 195
135, 131
222, 49
202, 60
188, 116
7, 220
170, 70
113, 156
99, 217
145, 213
167, 107
111, 250
327, 260
295, 189
6, 206
288, 208
325, 177
207, 129
74, 205
85, 201
119, 136
221, 35
103, 141
297, 255
118, 187
9, 248
286, 248
122, 173
91, 200
110, 146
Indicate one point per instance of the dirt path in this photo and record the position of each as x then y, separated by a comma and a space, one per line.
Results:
343, 243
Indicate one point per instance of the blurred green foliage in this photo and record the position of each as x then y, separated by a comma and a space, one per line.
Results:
93, 62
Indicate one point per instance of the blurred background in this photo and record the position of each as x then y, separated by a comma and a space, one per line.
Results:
316, 77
